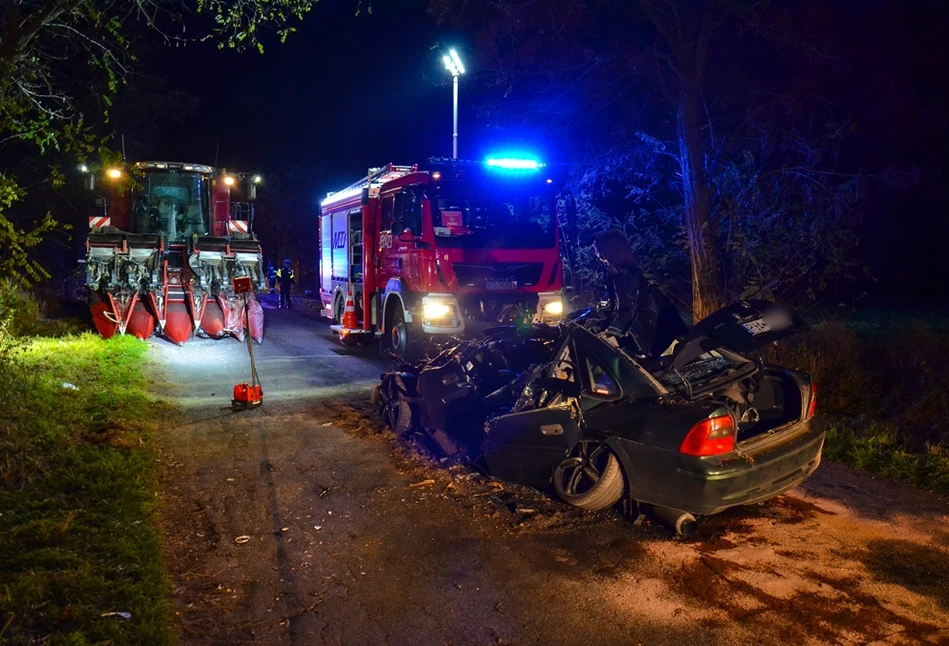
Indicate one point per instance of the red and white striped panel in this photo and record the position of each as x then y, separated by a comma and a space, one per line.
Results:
99, 221
237, 226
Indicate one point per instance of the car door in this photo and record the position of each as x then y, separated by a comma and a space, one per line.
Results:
525, 447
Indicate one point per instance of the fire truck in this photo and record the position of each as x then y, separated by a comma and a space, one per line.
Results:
439, 249
165, 247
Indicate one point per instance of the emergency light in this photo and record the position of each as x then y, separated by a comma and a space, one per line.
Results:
512, 163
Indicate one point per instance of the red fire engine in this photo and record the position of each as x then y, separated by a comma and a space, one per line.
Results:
447, 247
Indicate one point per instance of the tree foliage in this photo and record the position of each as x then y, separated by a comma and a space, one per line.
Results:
62, 65
703, 128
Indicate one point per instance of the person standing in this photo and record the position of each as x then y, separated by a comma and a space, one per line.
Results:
286, 279
272, 277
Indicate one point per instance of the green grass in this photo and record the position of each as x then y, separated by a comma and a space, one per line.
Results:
884, 393
78, 532
876, 447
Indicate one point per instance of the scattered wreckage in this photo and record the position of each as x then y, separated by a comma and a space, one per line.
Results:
707, 427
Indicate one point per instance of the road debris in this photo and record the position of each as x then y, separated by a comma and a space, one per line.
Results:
240, 540
123, 615
423, 483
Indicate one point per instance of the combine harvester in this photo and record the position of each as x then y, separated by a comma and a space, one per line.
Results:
162, 256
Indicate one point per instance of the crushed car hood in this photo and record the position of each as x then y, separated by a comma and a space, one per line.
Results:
744, 327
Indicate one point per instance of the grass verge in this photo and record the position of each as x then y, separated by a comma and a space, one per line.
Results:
884, 394
78, 532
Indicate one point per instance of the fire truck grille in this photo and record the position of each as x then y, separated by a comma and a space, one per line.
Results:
486, 277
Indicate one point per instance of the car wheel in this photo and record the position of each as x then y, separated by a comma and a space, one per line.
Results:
590, 478
396, 413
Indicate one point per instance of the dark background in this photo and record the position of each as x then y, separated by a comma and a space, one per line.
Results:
347, 92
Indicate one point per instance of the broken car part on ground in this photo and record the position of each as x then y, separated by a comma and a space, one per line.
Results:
702, 429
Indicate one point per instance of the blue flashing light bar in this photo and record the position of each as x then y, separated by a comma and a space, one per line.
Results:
512, 163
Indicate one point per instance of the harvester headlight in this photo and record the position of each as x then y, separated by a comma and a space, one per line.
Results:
114, 173
435, 310
554, 308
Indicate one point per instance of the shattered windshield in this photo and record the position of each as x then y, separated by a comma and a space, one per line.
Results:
512, 221
172, 203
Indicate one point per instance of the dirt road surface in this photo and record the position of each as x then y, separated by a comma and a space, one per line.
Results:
301, 523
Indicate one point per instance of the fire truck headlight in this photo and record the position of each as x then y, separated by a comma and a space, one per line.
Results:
554, 308
435, 310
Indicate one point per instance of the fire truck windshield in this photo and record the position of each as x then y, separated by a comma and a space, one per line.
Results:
515, 221
172, 203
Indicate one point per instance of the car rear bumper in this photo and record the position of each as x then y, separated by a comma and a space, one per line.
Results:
710, 485
758, 477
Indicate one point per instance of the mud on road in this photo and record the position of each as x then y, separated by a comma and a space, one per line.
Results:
304, 523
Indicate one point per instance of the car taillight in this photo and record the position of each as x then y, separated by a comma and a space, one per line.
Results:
812, 404
712, 436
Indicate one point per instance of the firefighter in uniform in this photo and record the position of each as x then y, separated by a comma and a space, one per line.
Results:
272, 277
642, 314
286, 279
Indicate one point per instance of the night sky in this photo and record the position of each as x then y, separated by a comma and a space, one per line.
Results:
352, 91
349, 92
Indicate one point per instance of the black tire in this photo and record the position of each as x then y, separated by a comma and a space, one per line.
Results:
590, 477
402, 338
338, 306
395, 411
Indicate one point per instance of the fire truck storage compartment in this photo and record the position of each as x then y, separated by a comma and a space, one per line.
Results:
342, 256
355, 246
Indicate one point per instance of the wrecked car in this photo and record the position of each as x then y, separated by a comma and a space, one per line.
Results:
706, 427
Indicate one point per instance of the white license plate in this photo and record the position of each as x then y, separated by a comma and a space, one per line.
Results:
756, 327
500, 284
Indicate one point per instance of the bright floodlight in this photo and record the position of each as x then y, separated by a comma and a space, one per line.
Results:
511, 163
257, 179
228, 180
114, 173
453, 63
458, 64
83, 168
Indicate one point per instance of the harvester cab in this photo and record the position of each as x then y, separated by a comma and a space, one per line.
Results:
163, 254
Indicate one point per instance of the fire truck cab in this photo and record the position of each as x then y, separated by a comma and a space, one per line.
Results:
444, 248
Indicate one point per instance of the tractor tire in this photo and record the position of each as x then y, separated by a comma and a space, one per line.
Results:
590, 477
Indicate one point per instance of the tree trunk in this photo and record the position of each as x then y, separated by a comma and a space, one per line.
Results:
703, 249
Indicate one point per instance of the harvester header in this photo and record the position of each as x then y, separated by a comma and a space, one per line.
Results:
162, 254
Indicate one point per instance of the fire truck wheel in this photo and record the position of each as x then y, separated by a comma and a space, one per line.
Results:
338, 306
401, 337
